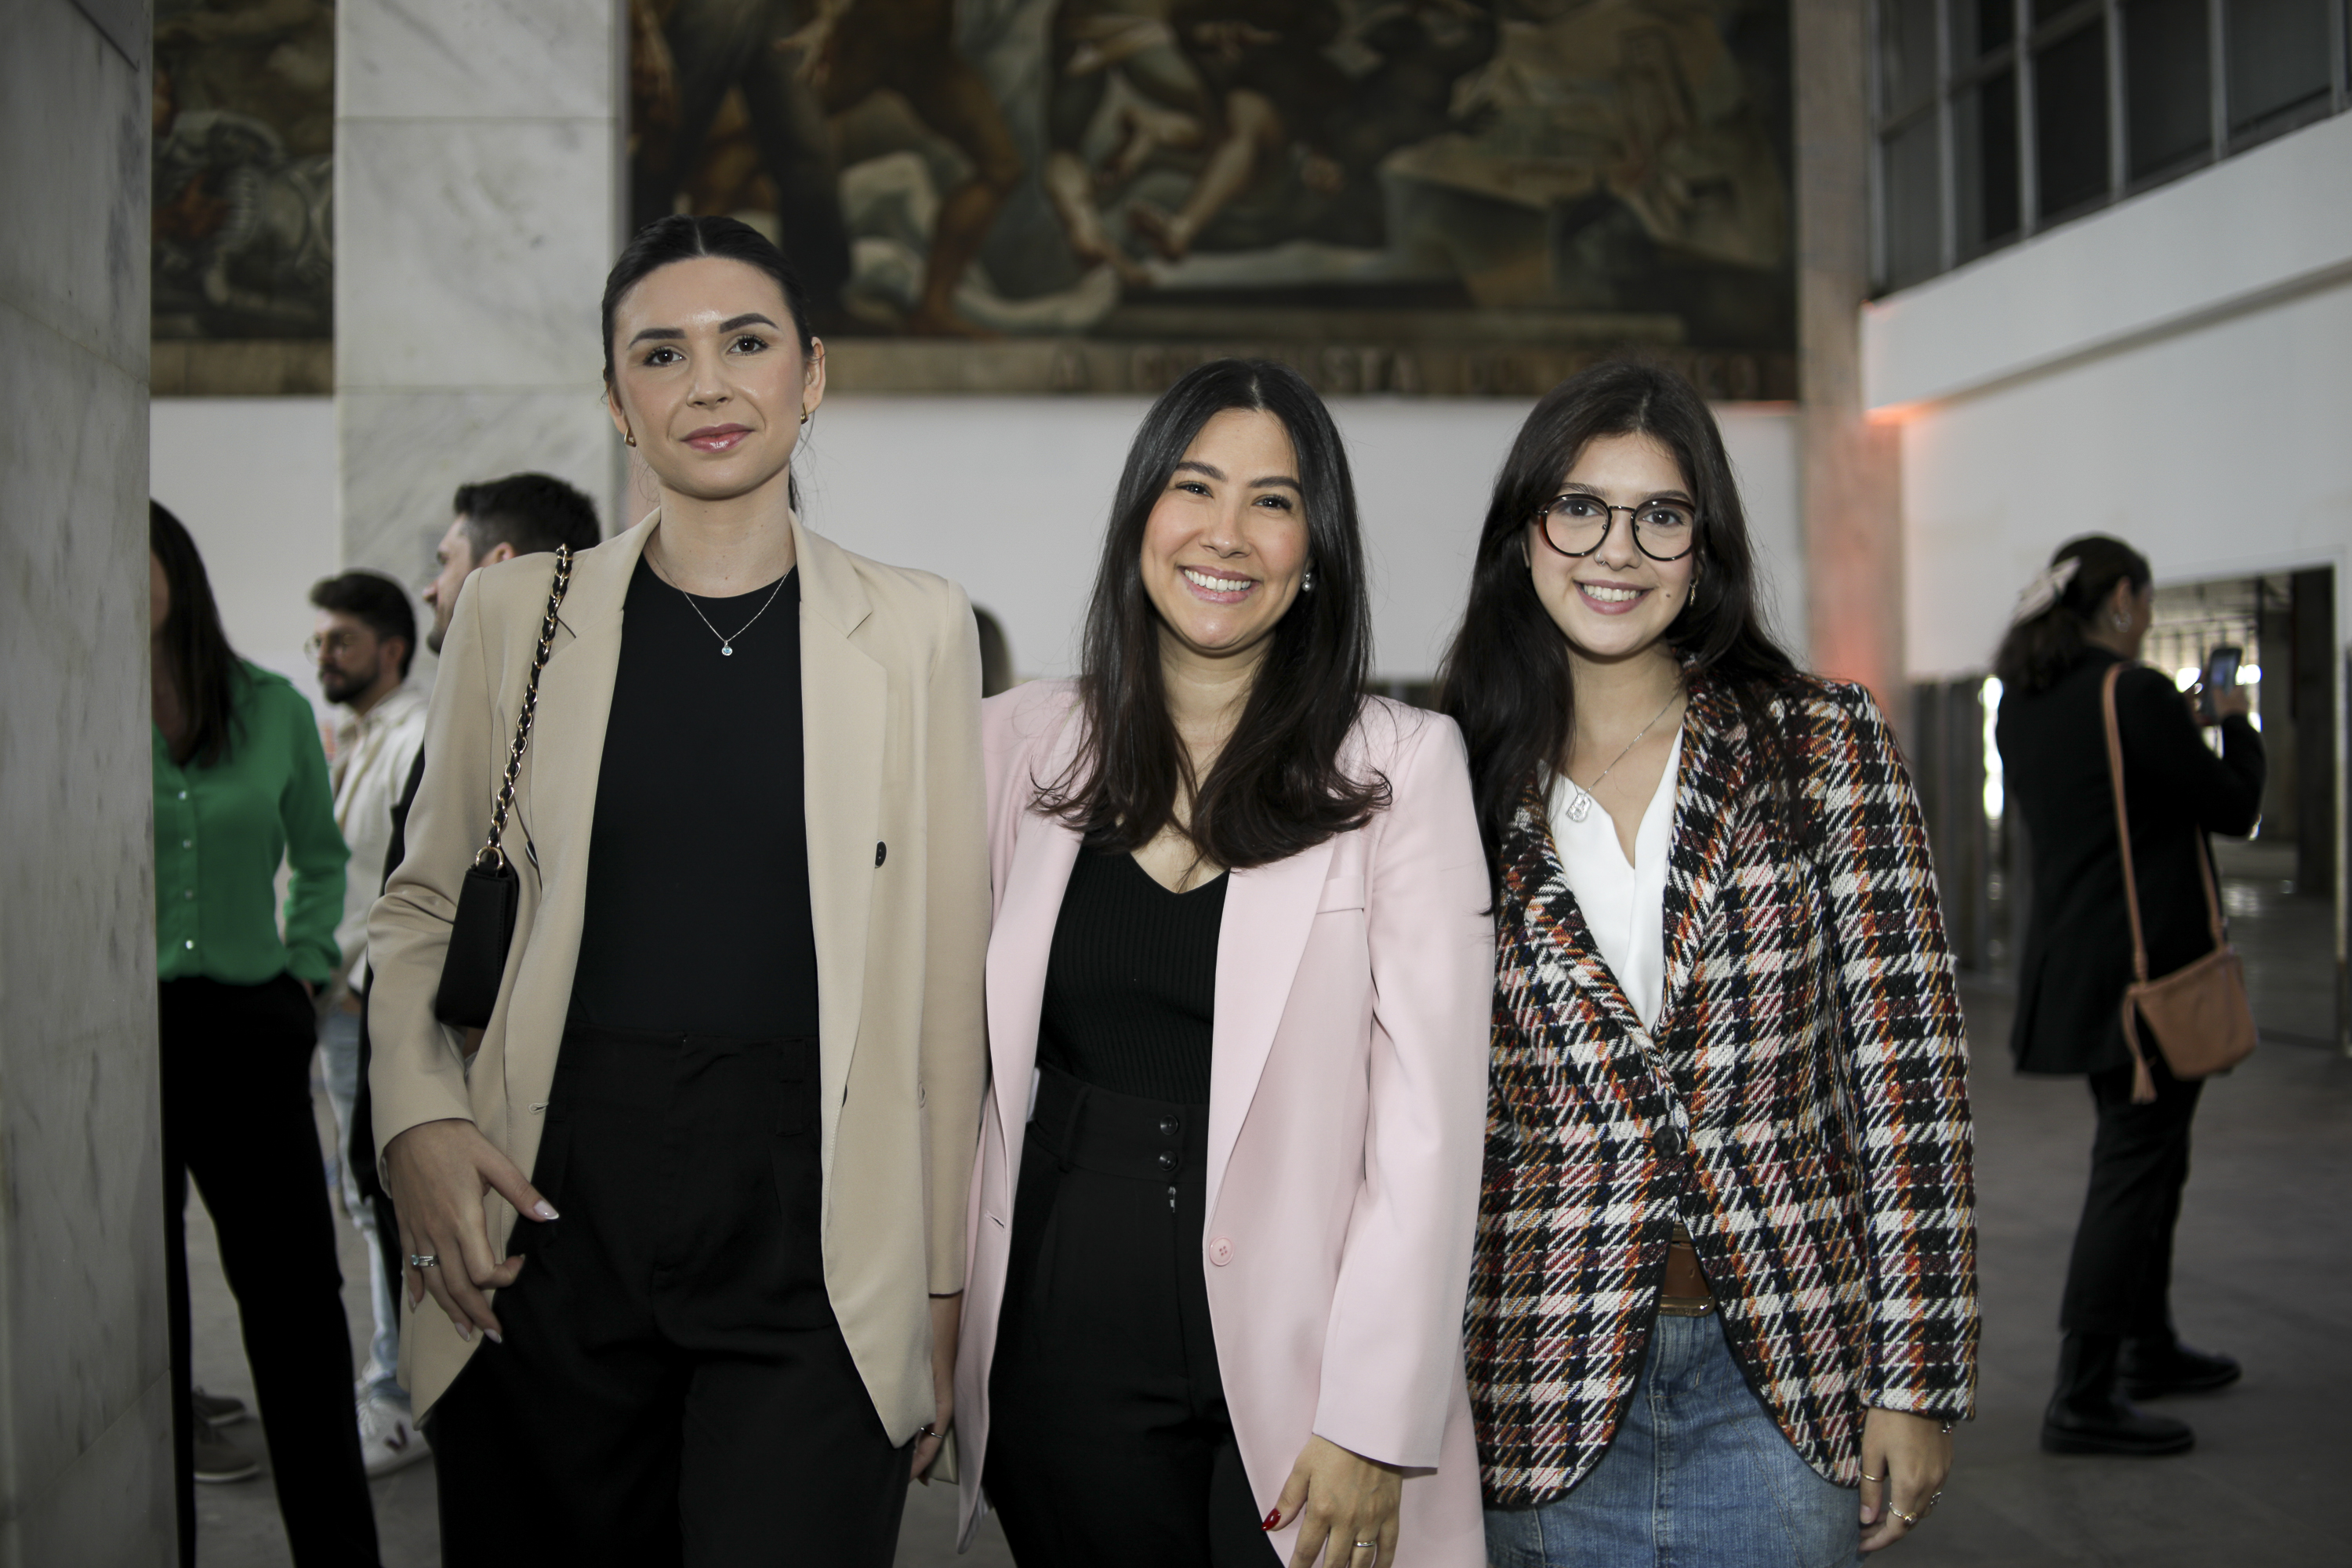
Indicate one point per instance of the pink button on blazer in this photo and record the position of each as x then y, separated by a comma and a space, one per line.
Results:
1346, 1117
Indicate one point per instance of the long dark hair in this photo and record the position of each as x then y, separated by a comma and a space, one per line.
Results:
205, 669
1506, 680
2044, 646
682, 237
1278, 787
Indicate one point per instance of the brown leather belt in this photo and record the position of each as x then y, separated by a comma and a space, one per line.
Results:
1685, 1292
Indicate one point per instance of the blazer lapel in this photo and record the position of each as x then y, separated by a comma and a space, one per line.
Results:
1552, 908
1269, 914
1043, 858
845, 711
1714, 770
575, 703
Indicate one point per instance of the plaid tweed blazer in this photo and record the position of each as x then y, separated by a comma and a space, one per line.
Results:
1800, 1104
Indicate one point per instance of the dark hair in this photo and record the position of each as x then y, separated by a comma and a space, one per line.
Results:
2036, 651
1507, 681
995, 654
205, 669
1278, 787
377, 603
681, 238
532, 512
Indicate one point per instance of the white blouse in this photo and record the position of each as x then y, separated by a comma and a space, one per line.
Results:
1624, 905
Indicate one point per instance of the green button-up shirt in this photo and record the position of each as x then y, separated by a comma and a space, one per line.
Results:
220, 832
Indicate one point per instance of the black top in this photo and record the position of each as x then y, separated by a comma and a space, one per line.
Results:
698, 917
1131, 981
2077, 957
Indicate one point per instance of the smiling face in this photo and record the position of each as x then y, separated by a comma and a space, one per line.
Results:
1225, 546
710, 379
1616, 603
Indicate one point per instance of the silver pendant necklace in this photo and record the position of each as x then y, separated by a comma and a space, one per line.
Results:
726, 642
1580, 800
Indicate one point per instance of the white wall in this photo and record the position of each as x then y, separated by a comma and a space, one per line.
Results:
1009, 497
2174, 372
254, 478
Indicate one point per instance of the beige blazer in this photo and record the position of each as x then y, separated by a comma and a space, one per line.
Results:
897, 882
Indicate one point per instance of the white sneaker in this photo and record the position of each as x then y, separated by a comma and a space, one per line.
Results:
389, 1439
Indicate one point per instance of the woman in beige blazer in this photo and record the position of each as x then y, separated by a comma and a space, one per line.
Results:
738, 1043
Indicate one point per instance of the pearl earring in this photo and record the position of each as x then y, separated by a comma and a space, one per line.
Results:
629, 440
1307, 583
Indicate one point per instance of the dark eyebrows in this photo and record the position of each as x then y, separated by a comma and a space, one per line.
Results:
1571, 488
675, 334
1196, 466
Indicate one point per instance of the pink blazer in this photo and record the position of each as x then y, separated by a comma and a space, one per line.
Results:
1346, 1117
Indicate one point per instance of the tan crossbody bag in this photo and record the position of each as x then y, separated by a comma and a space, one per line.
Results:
2198, 1014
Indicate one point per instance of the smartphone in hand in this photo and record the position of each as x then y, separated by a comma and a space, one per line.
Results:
2220, 674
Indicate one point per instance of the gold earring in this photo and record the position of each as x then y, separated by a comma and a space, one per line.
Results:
629, 439
804, 413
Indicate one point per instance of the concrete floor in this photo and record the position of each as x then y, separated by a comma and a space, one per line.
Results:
2263, 1269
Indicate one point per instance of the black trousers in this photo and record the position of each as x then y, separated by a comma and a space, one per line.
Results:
237, 1118
2119, 1281
1109, 1438
673, 1388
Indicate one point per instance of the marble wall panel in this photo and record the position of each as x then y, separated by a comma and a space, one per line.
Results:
85, 1431
73, 163
506, 59
471, 253
404, 454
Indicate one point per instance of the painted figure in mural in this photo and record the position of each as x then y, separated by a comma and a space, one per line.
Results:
797, 68
1095, 46
244, 168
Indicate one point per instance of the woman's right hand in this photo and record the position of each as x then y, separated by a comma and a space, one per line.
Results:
438, 1172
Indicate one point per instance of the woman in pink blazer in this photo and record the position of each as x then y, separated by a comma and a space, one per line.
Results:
1239, 985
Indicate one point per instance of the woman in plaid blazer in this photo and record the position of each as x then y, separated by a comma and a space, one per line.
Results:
1725, 1266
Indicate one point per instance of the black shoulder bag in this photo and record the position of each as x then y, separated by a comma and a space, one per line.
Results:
487, 902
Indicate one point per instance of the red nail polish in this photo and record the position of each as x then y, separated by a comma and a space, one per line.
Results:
1273, 1520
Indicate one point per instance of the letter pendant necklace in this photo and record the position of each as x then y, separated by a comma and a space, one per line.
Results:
726, 642
1580, 800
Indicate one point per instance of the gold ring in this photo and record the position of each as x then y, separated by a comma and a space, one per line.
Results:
1910, 1521
1874, 1480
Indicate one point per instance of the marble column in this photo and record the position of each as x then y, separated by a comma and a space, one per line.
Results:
477, 209
1850, 472
84, 1386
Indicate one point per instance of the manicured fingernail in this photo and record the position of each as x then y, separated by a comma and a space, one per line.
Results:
495, 1337
543, 1209
1273, 1520
465, 1333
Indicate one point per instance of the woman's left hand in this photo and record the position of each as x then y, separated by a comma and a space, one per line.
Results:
947, 1318
1904, 1459
1342, 1498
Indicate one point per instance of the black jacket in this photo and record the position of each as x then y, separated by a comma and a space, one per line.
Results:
2053, 753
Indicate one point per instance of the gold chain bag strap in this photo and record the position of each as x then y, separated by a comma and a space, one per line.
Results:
483, 931
2198, 1014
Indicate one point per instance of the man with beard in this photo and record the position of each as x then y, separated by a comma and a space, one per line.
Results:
365, 640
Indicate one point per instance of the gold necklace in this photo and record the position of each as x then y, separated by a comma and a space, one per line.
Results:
1580, 804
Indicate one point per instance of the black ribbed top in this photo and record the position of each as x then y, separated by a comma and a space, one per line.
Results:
1131, 981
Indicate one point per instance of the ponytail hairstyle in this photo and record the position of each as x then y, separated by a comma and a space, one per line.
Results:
2048, 635
1278, 787
682, 237
203, 666
1506, 679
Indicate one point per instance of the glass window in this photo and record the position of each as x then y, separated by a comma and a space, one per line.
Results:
2277, 51
2070, 120
1980, 26
2168, 83
1906, 53
1985, 148
1914, 217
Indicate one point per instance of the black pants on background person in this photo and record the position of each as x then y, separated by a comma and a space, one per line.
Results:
2119, 1280
1108, 1435
237, 1118
673, 1388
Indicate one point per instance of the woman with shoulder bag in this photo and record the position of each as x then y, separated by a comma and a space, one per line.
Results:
1727, 1266
735, 1035
1238, 988
2072, 647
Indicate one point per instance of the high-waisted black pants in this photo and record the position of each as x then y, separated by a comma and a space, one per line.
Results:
673, 1388
238, 1117
1109, 1439
2119, 1280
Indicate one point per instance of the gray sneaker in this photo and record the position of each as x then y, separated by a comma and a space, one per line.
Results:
219, 1460
389, 1439
220, 1409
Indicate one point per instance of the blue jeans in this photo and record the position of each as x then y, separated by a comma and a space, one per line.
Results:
339, 1061
1698, 1476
